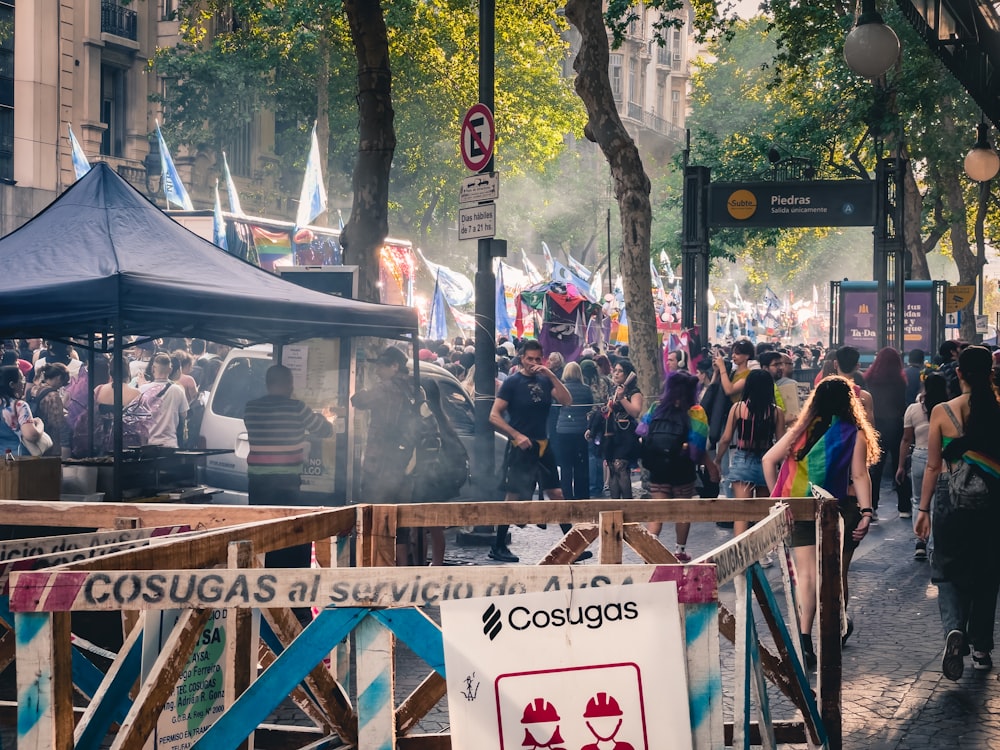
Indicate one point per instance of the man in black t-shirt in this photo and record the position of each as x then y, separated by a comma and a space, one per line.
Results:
526, 397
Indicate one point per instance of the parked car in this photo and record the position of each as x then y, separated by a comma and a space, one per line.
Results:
241, 379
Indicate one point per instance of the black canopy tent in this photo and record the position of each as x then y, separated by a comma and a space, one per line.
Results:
101, 263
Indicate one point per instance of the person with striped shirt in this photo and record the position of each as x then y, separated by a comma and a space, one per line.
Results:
277, 429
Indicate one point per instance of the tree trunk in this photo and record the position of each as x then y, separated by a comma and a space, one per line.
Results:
369, 225
631, 184
912, 228
961, 251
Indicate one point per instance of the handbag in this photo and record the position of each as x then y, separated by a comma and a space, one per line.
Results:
968, 486
41, 444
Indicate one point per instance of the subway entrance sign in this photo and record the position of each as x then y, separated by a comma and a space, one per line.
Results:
813, 203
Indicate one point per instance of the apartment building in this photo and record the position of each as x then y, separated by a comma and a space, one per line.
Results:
650, 83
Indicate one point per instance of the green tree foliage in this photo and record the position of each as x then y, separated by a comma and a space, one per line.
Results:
265, 54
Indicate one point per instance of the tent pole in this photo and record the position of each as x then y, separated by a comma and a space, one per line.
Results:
117, 368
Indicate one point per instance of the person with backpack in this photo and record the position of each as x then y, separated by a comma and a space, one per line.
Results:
964, 513
441, 474
45, 401
674, 435
387, 467
162, 404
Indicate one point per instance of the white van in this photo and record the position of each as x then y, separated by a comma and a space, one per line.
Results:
241, 379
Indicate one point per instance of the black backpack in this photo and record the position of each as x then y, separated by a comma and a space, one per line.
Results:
665, 441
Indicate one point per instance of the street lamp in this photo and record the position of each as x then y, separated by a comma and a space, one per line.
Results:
982, 162
871, 48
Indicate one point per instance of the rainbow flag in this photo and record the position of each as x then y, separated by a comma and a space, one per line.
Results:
827, 464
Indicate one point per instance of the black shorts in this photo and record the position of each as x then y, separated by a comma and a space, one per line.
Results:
523, 469
804, 532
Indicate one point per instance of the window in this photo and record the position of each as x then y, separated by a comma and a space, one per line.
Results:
661, 93
169, 9
631, 80
676, 44
7, 91
113, 110
238, 143
616, 75
675, 107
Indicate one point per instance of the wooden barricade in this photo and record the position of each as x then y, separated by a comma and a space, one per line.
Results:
216, 561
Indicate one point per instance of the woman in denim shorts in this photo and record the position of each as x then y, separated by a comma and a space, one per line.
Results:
754, 424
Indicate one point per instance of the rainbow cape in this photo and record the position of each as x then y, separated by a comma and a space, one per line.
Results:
827, 464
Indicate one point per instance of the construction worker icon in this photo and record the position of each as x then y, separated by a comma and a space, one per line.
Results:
604, 719
541, 728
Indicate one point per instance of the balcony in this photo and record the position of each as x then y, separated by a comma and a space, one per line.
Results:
118, 20
654, 122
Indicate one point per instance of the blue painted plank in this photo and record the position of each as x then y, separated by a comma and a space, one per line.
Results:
116, 702
800, 675
421, 634
86, 676
265, 694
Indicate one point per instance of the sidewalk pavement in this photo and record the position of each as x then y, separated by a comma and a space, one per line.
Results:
894, 695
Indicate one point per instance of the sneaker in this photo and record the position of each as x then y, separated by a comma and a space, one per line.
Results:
905, 514
682, 556
768, 560
585, 555
952, 661
502, 554
920, 551
982, 660
847, 633
874, 517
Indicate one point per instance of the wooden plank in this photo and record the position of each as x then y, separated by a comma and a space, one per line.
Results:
830, 615
741, 673
419, 632
785, 643
7, 650
588, 511
425, 742
612, 530
281, 678
385, 523
758, 683
67, 543
159, 683
376, 685
704, 674
736, 555
44, 682
419, 702
239, 666
771, 664
328, 696
299, 695
210, 548
647, 546
111, 702
366, 538
102, 515
52, 590
567, 549
785, 732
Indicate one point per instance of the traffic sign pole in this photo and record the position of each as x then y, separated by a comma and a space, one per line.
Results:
485, 313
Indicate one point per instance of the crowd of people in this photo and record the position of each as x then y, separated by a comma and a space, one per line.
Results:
733, 423
44, 389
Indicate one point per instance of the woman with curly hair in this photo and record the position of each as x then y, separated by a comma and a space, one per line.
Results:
831, 446
886, 381
621, 444
964, 510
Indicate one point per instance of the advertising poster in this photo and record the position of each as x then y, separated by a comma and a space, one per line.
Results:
587, 669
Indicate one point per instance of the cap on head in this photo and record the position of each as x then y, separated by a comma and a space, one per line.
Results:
391, 356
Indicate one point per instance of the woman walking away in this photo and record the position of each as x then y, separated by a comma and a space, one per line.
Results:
913, 446
674, 437
965, 564
621, 444
753, 426
831, 446
886, 381
570, 443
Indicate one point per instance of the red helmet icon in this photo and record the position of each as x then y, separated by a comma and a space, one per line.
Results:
602, 704
539, 710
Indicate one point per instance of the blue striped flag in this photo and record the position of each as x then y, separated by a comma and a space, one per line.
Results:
437, 324
218, 223
173, 188
577, 267
456, 287
80, 164
312, 199
503, 321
